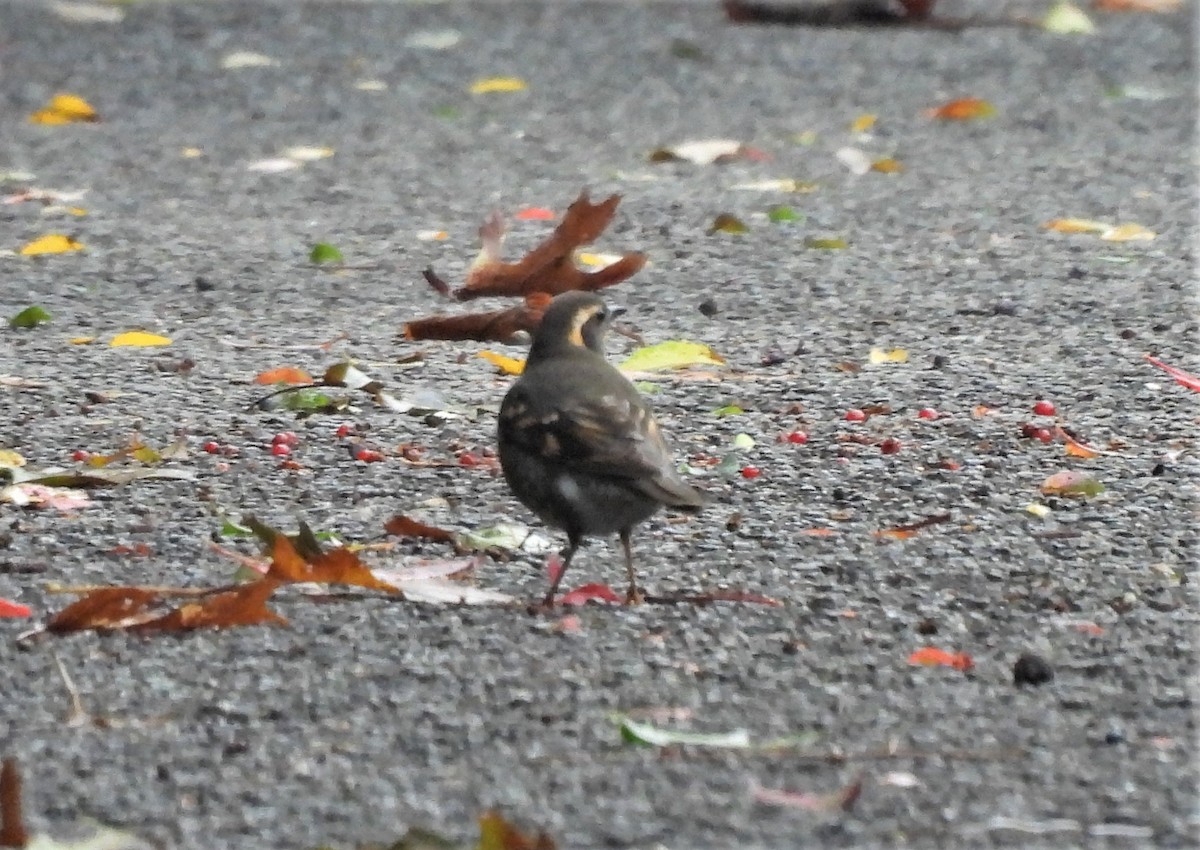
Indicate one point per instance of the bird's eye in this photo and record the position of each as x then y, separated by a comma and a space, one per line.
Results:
601, 314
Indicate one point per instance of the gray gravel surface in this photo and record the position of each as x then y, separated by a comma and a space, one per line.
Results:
367, 716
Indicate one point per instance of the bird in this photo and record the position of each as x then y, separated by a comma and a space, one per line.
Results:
578, 444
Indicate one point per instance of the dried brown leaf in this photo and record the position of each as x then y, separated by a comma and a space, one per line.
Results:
497, 326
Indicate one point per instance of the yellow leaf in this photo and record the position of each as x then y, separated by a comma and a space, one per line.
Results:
862, 123
307, 153
10, 459
64, 109
52, 243
887, 166
896, 355
507, 365
191, 153
491, 85
1077, 225
1037, 510
138, 339
76, 211
81, 340
673, 354
1127, 233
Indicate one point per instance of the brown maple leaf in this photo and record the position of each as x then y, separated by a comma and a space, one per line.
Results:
497, 326
550, 267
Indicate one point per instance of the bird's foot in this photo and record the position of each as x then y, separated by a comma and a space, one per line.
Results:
634, 596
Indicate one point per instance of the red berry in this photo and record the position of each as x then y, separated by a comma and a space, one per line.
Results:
285, 438
797, 437
1042, 434
856, 415
344, 430
751, 472
80, 455
212, 447
889, 446
281, 449
928, 413
468, 460
1044, 408
368, 455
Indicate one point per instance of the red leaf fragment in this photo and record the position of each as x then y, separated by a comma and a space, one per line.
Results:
930, 656
590, 593
1186, 379
403, 526
13, 609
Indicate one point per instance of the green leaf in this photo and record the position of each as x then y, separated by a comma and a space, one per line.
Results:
231, 529
782, 213
449, 113
1065, 18
672, 354
646, 387
323, 252
728, 410
832, 244
1072, 482
30, 317
743, 442
635, 732
306, 399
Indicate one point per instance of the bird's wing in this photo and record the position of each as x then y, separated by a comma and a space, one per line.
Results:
613, 435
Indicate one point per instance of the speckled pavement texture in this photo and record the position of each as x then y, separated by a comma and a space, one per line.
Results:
367, 716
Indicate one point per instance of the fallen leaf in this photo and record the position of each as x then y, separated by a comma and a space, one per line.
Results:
932, 657
887, 165
496, 833
498, 326
308, 153
337, 566
13, 609
854, 159
30, 317
1071, 482
114, 608
590, 593
86, 13
493, 85
646, 734
672, 354
283, 375
777, 185
138, 339
53, 243
246, 59
38, 495
1065, 18
1076, 225
507, 365
64, 109
11, 459
535, 214
443, 592
899, 779
1074, 448
963, 109
12, 819
728, 410
826, 244
97, 477
895, 355
274, 165
505, 537
323, 252
1039, 511
841, 800
781, 214
403, 526
549, 268
1128, 233
863, 123
727, 223
242, 606
434, 39
1185, 379
703, 152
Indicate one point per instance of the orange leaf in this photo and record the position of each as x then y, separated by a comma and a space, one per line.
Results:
283, 375
932, 657
338, 566
107, 608
963, 109
819, 532
242, 606
535, 214
403, 526
979, 411
496, 833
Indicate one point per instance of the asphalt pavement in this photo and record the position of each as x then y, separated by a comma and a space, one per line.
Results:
366, 716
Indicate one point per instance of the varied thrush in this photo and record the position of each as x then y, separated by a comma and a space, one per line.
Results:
578, 444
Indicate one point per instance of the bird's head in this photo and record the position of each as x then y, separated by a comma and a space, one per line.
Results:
573, 319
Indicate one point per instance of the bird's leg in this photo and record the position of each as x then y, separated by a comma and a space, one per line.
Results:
633, 596
572, 545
